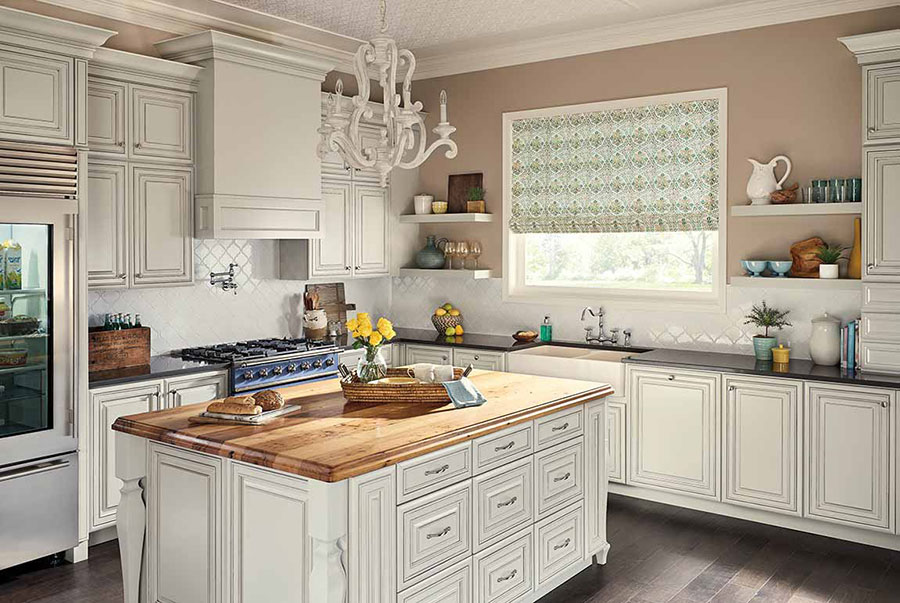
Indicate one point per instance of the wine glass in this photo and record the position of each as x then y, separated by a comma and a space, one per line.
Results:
474, 251
449, 251
462, 250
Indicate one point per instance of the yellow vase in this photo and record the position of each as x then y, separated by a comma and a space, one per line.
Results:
854, 266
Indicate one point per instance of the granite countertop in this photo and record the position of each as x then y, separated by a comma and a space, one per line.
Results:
749, 365
159, 367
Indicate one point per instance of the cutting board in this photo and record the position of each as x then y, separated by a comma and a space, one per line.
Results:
260, 419
458, 186
333, 301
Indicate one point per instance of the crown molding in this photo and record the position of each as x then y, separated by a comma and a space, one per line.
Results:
878, 47
130, 67
21, 28
464, 58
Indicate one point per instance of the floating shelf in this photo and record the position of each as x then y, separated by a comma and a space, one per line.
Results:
445, 218
462, 274
797, 209
775, 282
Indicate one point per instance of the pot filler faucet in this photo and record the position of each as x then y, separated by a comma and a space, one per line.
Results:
602, 338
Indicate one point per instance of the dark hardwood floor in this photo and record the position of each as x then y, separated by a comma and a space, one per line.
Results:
659, 553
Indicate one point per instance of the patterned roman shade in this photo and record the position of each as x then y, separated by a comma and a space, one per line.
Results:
640, 169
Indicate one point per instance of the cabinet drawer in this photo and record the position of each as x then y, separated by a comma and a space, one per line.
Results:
880, 357
559, 477
427, 353
498, 448
880, 327
480, 359
503, 501
453, 585
558, 428
559, 543
881, 297
504, 572
433, 471
434, 531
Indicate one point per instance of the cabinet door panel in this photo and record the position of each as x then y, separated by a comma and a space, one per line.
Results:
849, 455
162, 222
615, 441
883, 110
453, 585
106, 116
503, 502
36, 97
558, 543
674, 435
107, 241
505, 572
372, 226
161, 124
194, 389
427, 353
480, 359
331, 255
596, 471
761, 443
882, 216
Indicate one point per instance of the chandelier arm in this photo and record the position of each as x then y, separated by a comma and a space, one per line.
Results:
360, 66
339, 141
422, 138
421, 158
410, 60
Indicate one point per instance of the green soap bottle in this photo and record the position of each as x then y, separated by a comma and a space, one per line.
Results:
546, 329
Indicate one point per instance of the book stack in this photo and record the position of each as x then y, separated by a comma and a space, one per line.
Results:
850, 345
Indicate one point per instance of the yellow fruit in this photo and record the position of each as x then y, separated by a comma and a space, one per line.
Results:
454, 312
457, 339
449, 331
440, 312
459, 330
448, 306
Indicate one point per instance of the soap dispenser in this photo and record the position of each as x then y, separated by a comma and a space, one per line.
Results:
547, 329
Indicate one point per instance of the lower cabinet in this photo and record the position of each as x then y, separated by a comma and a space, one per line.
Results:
193, 389
505, 572
489, 360
453, 585
850, 455
616, 440
427, 353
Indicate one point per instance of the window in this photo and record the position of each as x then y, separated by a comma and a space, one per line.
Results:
617, 200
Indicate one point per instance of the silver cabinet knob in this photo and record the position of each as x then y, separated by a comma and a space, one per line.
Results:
475, 356
137, 145
671, 377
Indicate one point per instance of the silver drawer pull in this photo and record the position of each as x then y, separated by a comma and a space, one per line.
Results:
443, 532
560, 427
562, 545
505, 446
440, 469
507, 503
33, 470
562, 478
508, 576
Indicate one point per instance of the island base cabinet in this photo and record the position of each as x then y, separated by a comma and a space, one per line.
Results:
453, 585
504, 573
849, 456
616, 431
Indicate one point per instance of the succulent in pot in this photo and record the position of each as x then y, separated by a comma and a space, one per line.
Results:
830, 255
766, 318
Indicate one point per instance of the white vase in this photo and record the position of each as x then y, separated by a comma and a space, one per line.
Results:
422, 204
825, 342
829, 271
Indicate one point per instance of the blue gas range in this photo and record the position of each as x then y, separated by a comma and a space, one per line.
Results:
266, 363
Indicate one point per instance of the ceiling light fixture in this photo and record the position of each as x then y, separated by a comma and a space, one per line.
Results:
401, 145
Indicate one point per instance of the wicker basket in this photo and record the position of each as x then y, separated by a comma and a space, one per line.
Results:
383, 393
442, 322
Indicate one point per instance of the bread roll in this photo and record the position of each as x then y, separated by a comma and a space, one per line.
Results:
229, 408
269, 399
245, 400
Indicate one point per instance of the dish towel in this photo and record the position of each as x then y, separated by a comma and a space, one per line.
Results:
463, 393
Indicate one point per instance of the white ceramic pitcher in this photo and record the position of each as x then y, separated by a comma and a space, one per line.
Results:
762, 181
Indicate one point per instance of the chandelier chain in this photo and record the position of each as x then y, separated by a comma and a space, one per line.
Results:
382, 7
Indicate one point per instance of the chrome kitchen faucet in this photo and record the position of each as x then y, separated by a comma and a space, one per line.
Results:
602, 338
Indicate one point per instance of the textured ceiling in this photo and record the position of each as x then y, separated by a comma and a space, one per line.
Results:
417, 24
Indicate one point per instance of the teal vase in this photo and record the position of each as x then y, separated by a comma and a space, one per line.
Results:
430, 257
762, 346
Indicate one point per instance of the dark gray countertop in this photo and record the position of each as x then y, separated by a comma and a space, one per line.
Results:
159, 367
749, 365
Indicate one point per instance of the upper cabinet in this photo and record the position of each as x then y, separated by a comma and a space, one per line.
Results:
107, 233
882, 104
161, 124
882, 215
106, 116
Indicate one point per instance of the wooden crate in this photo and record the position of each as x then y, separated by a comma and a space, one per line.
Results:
118, 349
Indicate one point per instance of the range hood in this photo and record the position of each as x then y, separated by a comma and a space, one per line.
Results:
258, 112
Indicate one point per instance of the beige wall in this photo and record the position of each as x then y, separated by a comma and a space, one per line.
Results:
792, 89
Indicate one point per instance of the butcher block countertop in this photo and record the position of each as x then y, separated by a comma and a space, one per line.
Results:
331, 439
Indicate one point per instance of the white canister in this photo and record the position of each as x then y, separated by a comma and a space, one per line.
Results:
422, 204
825, 342
829, 271
315, 324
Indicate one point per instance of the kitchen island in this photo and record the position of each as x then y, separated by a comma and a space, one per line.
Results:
340, 502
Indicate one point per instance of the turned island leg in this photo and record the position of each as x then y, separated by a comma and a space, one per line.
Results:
328, 508
131, 516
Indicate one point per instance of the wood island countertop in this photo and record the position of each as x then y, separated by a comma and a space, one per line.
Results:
331, 439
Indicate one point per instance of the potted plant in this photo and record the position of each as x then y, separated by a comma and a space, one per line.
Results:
766, 318
830, 256
372, 366
475, 204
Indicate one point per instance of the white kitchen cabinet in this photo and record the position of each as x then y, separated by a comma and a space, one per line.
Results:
107, 102
673, 419
505, 572
36, 96
107, 236
616, 432
428, 354
372, 212
761, 452
162, 210
596, 469
193, 389
882, 103
333, 254
882, 215
559, 543
350, 358
851, 455
453, 585
161, 124
502, 502
479, 359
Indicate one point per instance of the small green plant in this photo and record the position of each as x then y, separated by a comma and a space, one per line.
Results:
767, 318
831, 254
476, 193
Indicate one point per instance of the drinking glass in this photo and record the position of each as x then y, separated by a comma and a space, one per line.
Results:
449, 252
462, 250
474, 252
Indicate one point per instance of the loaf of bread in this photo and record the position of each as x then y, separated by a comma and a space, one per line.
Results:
245, 400
230, 408
269, 399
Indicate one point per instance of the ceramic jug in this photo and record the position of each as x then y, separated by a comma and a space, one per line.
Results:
825, 342
762, 181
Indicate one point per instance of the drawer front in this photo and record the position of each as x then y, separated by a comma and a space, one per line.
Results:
504, 572
427, 353
503, 501
883, 357
558, 428
453, 585
480, 359
559, 477
428, 473
499, 448
434, 531
880, 327
559, 542
881, 297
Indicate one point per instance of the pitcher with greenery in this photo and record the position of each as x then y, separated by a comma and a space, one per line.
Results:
766, 318
372, 366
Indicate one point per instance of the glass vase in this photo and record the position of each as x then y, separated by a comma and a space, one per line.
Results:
372, 366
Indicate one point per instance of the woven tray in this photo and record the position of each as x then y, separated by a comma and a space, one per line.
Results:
383, 393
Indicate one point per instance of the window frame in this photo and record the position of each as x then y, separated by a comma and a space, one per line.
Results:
514, 287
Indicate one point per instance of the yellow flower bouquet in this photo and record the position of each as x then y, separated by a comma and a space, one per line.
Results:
370, 337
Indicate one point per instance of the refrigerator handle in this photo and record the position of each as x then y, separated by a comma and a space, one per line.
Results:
33, 470
72, 264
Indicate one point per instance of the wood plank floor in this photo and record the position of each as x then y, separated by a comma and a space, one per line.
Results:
659, 554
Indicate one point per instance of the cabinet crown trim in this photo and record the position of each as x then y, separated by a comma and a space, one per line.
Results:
128, 66
878, 47
21, 28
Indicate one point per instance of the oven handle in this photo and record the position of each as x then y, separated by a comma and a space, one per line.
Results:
287, 382
33, 470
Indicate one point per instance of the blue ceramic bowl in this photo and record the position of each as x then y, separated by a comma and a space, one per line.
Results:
754, 267
780, 267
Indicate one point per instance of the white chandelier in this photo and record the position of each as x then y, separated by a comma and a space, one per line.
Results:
400, 144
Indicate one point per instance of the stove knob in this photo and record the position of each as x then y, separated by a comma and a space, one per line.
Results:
278, 370
304, 366
292, 368
263, 372
317, 364
329, 362
248, 375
